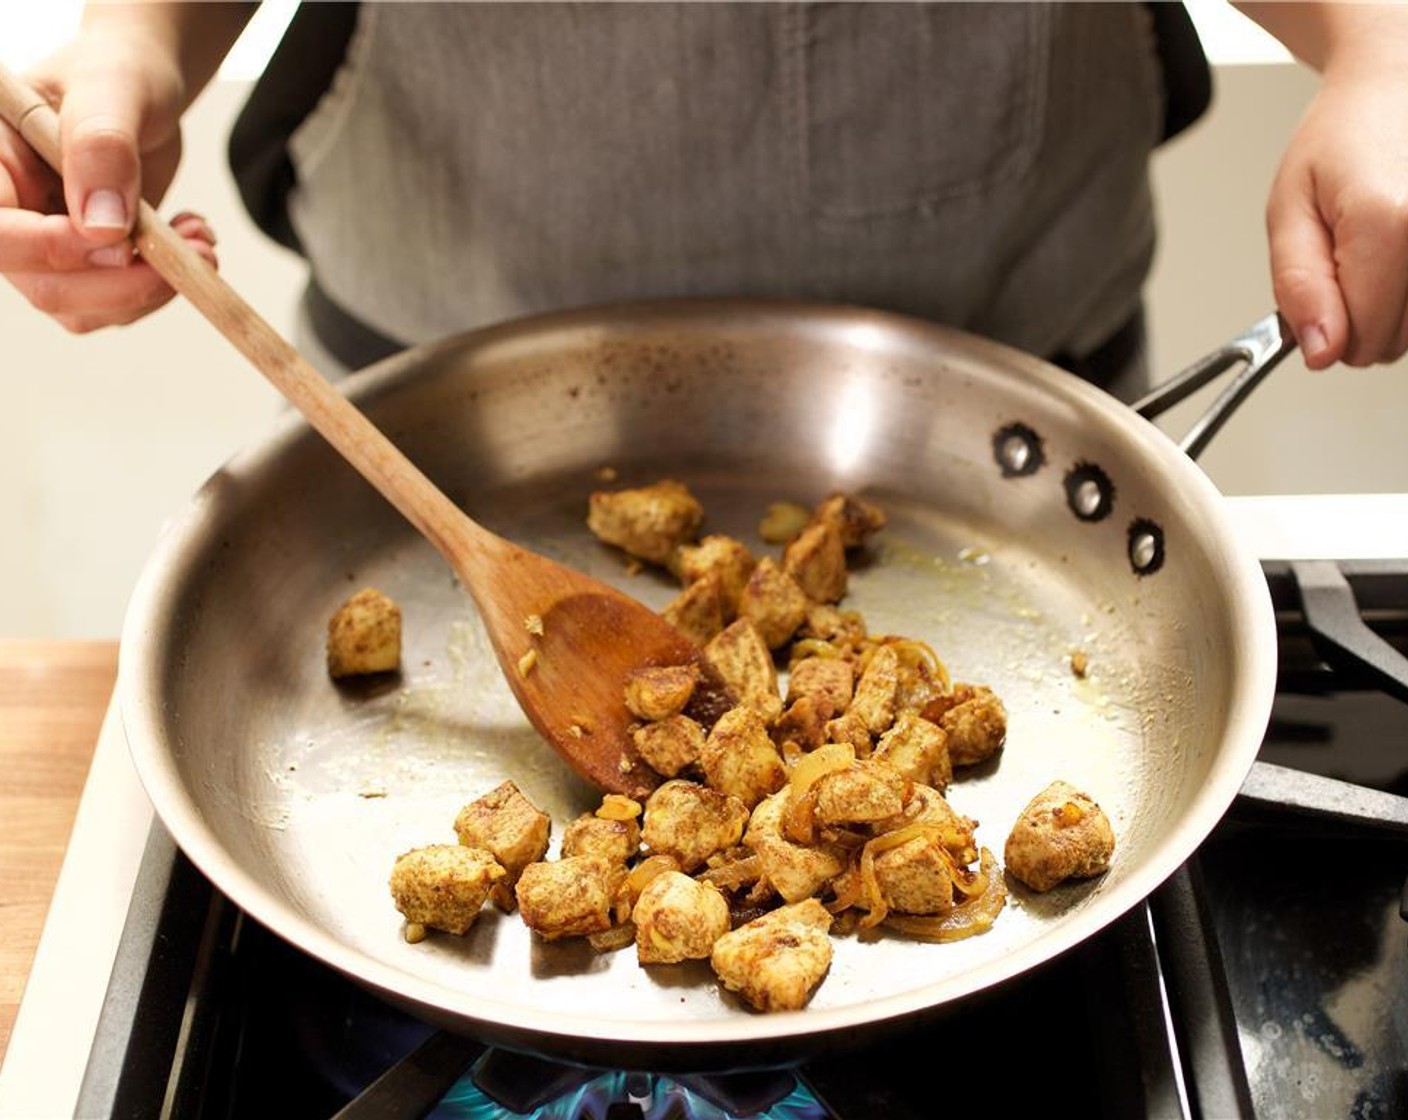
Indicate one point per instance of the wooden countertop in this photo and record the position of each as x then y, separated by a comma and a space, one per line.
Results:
52, 698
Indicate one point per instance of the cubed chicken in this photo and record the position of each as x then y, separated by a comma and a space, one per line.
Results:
831, 624
660, 691
615, 841
774, 602
829, 681
742, 660
669, 745
916, 877
854, 518
874, 699
803, 724
863, 793
505, 823
816, 559
926, 805
1062, 834
650, 522
678, 919
850, 728
716, 555
739, 757
691, 822
776, 962
796, 871
917, 686
569, 897
364, 635
975, 721
698, 612
443, 886
917, 749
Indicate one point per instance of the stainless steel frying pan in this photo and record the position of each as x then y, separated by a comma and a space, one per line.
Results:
1031, 516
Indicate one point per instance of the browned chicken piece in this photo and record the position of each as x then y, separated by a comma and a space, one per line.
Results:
505, 823
364, 636
874, 699
776, 962
803, 724
916, 877
1062, 834
744, 663
854, 518
831, 624
660, 691
443, 886
615, 841
974, 720
720, 556
678, 919
691, 822
697, 612
917, 749
933, 809
849, 727
739, 757
816, 559
669, 745
568, 897
916, 688
774, 602
828, 680
796, 871
649, 522
863, 793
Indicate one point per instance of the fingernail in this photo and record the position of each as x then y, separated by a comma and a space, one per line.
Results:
111, 256
1314, 341
105, 210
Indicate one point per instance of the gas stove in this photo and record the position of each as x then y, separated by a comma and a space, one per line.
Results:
1267, 978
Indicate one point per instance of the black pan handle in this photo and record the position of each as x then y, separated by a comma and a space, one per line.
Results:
1261, 347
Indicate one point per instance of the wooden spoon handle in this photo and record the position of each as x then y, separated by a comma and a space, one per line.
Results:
351, 434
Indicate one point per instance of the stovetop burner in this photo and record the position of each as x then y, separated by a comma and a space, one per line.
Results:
505, 1086
1268, 977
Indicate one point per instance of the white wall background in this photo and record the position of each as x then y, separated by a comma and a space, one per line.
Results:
104, 437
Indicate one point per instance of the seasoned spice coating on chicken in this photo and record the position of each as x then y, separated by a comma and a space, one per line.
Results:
678, 919
691, 822
774, 602
719, 556
741, 659
1062, 834
649, 522
443, 886
775, 962
739, 757
509, 826
568, 897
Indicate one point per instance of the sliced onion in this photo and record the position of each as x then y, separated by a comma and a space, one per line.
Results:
872, 897
968, 920
617, 807
817, 764
610, 940
734, 873
640, 876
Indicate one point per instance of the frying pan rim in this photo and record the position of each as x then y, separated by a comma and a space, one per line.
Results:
141, 704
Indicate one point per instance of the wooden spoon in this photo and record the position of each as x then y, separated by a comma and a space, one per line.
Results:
566, 642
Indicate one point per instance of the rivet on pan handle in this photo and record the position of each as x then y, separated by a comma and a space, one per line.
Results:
1261, 347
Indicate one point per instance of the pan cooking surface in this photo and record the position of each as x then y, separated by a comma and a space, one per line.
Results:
296, 794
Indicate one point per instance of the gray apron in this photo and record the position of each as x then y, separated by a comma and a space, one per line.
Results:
982, 165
